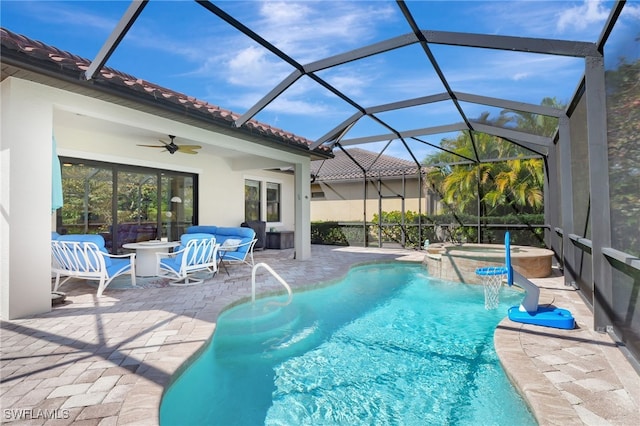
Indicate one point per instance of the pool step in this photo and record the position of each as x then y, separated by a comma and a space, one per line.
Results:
276, 336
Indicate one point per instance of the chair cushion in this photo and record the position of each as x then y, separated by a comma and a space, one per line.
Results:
202, 229
236, 231
171, 263
117, 266
184, 240
89, 238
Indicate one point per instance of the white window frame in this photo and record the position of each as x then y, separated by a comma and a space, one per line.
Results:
263, 197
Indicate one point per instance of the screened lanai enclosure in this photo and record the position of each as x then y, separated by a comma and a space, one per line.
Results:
537, 122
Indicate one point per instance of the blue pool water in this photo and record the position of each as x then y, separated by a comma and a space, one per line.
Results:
387, 345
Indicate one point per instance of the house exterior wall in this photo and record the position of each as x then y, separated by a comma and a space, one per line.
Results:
343, 201
32, 113
219, 204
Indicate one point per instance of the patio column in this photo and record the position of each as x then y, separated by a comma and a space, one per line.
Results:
302, 233
25, 200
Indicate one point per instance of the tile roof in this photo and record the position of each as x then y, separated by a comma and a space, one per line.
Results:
44, 58
341, 167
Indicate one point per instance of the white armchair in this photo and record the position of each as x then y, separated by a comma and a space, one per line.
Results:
85, 256
197, 252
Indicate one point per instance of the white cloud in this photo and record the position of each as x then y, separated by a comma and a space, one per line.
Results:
520, 76
249, 68
296, 106
312, 30
581, 17
305, 31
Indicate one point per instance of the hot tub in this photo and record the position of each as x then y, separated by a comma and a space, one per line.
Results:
458, 262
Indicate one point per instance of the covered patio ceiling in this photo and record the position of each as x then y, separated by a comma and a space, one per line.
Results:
443, 103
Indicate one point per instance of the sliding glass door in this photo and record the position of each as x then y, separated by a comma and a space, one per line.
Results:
88, 194
125, 204
177, 195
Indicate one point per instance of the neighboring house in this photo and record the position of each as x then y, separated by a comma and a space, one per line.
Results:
98, 126
392, 184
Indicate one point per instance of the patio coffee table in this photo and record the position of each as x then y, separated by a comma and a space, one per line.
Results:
146, 259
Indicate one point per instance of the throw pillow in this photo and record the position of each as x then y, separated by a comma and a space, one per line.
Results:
230, 244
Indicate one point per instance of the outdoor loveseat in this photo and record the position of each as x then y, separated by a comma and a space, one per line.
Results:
236, 243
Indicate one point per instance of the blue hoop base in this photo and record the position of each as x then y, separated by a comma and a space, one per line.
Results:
546, 316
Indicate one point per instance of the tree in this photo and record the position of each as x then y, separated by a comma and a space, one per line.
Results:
514, 183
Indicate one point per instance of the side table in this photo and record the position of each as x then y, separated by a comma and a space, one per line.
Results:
280, 240
146, 259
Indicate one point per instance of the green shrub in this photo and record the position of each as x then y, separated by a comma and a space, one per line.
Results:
436, 228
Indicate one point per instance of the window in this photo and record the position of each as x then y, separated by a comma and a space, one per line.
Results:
125, 203
260, 197
273, 202
252, 190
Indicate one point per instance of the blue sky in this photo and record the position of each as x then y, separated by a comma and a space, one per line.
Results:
182, 46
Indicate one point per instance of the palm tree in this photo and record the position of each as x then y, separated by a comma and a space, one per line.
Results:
516, 182
520, 183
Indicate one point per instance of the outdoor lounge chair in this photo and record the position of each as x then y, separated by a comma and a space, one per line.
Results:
85, 256
197, 252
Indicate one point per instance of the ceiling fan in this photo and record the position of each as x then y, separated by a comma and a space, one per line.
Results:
173, 148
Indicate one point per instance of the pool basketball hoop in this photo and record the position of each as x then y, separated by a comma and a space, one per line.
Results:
492, 277
528, 312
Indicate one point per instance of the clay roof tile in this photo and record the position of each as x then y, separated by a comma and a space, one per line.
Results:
70, 62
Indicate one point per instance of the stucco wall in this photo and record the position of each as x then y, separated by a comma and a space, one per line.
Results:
221, 189
343, 201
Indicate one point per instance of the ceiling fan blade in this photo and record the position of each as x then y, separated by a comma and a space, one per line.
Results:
189, 149
153, 146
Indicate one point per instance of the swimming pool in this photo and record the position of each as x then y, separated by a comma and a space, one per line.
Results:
386, 345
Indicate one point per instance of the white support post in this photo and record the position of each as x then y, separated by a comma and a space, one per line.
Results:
25, 201
302, 234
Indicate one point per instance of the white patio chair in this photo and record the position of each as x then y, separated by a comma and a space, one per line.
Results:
85, 256
237, 251
197, 253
